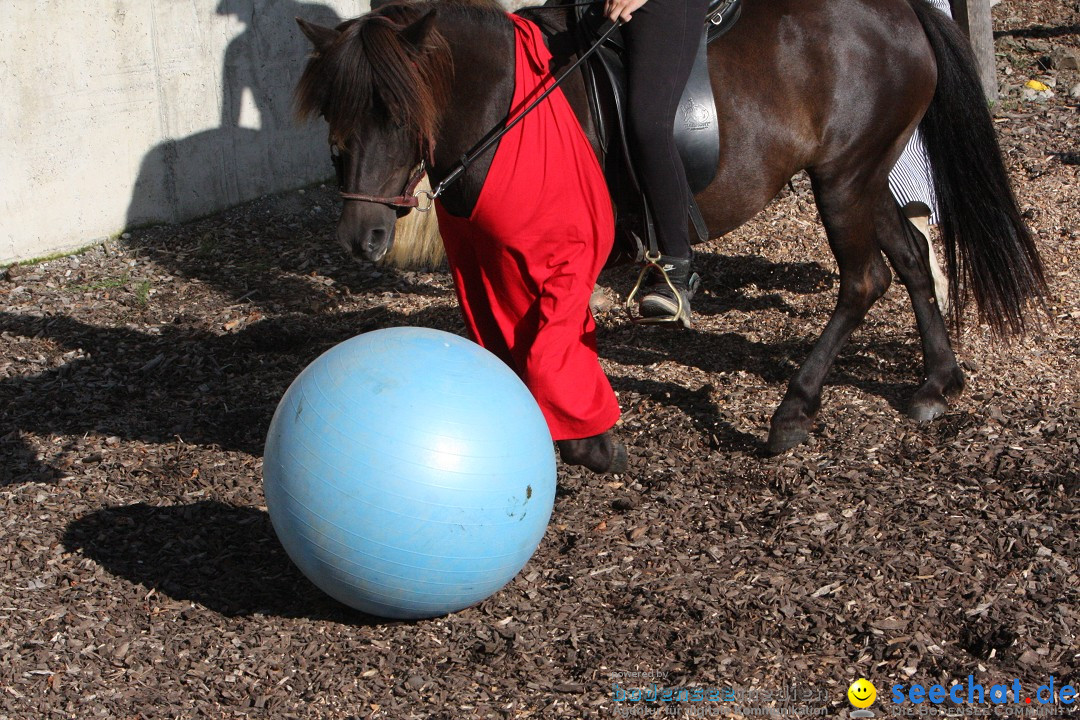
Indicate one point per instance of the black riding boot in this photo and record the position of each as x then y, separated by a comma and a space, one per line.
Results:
660, 301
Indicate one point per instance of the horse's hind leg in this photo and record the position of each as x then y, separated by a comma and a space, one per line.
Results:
909, 254
918, 214
849, 218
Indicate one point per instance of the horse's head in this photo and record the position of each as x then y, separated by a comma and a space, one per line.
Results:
380, 81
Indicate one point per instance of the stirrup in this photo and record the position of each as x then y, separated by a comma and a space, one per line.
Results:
682, 313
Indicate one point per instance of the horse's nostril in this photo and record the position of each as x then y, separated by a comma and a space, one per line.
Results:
376, 243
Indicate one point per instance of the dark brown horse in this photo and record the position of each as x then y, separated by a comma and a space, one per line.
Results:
833, 87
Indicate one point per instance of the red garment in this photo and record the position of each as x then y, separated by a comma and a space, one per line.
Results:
525, 262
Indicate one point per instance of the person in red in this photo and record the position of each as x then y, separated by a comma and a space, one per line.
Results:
525, 262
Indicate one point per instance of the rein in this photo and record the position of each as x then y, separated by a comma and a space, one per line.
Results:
411, 199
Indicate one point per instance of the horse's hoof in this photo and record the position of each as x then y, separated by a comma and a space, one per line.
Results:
783, 438
927, 410
620, 459
600, 453
601, 301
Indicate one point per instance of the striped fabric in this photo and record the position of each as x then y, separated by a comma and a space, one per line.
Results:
910, 179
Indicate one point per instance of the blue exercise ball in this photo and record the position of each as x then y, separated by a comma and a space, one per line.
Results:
409, 473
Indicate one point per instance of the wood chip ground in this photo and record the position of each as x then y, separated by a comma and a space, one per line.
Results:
140, 577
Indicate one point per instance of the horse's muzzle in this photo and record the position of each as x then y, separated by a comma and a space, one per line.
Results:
370, 244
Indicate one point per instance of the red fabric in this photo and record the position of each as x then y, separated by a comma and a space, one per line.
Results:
525, 262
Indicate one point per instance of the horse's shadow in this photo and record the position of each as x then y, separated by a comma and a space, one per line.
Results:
186, 382
727, 273
699, 408
773, 362
727, 277
220, 390
222, 557
732, 352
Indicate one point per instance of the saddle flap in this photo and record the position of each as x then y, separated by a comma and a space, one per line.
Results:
696, 133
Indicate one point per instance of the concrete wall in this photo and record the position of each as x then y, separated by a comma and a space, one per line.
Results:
118, 113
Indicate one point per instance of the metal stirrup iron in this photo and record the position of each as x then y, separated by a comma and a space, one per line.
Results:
652, 260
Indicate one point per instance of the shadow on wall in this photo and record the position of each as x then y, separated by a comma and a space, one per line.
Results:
257, 143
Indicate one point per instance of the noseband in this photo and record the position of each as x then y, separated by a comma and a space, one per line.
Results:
408, 198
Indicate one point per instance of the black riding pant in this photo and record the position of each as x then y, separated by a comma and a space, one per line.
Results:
662, 39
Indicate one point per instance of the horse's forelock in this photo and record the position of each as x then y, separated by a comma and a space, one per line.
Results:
370, 63
335, 85
414, 83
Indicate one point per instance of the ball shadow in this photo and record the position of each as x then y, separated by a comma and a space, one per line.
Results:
222, 557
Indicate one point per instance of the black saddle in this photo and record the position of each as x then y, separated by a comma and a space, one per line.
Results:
696, 132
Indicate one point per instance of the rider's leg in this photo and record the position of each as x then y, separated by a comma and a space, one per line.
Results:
662, 41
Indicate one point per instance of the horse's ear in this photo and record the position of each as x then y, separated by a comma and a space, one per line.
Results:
321, 37
417, 32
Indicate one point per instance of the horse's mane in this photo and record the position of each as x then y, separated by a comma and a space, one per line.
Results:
370, 68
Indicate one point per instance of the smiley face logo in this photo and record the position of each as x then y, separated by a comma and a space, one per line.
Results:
862, 693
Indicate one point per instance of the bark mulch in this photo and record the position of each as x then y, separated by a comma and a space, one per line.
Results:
141, 577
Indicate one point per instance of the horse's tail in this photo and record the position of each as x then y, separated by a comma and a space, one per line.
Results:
417, 243
989, 249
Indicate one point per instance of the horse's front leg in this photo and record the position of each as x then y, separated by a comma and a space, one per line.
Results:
864, 277
602, 453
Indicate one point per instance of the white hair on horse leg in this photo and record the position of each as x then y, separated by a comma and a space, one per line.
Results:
417, 243
919, 216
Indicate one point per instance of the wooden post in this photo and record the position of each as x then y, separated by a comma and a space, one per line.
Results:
973, 16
